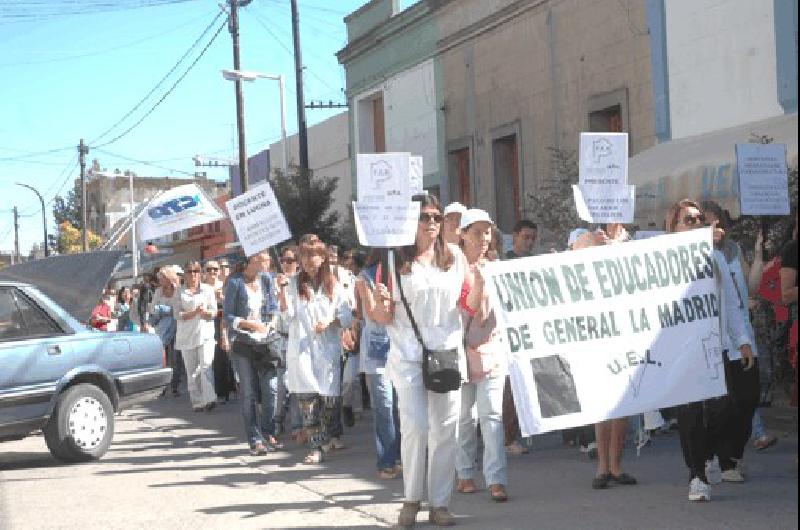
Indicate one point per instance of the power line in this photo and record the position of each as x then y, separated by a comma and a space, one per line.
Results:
33, 154
163, 79
30, 11
143, 162
171, 89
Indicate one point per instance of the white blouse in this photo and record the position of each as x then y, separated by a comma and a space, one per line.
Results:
313, 360
194, 332
432, 296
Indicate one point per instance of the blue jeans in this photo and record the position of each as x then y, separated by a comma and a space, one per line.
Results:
387, 430
482, 402
255, 379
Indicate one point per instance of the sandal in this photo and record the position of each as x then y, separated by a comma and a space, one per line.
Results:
497, 492
314, 457
466, 486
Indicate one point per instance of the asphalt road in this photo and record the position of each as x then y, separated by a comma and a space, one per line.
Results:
172, 468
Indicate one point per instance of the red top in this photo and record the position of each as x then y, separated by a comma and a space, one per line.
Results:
100, 310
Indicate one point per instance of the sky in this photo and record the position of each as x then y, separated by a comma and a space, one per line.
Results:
69, 75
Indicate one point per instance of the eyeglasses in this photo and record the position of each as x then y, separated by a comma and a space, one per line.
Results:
212, 269
428, 217
692, 220
288, 260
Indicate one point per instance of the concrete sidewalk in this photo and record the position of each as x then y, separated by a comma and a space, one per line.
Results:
172, 468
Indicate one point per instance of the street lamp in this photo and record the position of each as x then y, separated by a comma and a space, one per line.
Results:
243, 75
44, 215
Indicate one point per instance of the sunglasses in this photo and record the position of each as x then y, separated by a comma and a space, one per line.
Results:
428, 217
288, 260
692, 220
212, 269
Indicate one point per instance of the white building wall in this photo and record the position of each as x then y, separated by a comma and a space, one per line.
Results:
721, 60
409, 101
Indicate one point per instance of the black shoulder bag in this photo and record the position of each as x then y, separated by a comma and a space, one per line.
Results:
440, 371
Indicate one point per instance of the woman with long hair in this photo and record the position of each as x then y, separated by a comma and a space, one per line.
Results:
122, 311
482, 395
702, 424
435, 281
316, 309
196, 306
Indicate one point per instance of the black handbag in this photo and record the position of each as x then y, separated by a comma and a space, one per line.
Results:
440, 371
262, 352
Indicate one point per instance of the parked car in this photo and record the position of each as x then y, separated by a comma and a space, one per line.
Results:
60, 376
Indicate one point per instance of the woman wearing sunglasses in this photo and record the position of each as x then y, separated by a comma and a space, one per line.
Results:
436, 282
196, 306
702, 424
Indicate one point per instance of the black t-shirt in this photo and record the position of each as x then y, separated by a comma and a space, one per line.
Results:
789, 257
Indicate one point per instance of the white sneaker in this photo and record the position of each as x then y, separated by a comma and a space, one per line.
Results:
713, 471
732, 475
699, 491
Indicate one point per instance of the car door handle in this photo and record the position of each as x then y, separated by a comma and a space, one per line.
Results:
55, 349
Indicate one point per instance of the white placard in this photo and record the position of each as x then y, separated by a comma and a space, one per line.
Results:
603, 159
415, 176
647, 234
383, 177
258, 219
386, 225
763, 179
177, 209
610, 331
601, 203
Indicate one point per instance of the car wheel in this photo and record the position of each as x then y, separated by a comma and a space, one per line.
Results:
82, 425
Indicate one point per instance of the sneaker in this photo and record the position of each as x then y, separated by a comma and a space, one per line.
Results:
441, 517
590, 450
732, 475
699, 491
765, 442
258, 449
408, 515
713, 471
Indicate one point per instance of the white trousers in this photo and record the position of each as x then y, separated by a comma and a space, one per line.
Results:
199, 373
428, 421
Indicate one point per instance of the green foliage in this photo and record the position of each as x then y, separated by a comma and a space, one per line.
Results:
306, 201
68, 208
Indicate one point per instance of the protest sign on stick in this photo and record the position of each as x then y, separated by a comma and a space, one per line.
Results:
383, 177
610, 331
601, 203
763, 179
603, 159
386, 225
258, 219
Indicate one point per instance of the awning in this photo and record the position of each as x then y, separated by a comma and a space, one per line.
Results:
700, 167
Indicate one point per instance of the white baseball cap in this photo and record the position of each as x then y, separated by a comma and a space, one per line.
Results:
473, 215
575, 234
455, 207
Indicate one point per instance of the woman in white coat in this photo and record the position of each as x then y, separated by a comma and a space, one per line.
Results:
316, 308
436, 281
195, 307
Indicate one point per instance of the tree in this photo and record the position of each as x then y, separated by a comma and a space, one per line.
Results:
306, 201
552, 205
69, 239
68, 208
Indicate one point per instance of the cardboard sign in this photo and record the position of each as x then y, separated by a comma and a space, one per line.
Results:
383, 177
763, 179
177, 209
258, 219
386, 225
601, 203
603, 159
611, 331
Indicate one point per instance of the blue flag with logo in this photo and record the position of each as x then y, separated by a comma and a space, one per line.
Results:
175, 210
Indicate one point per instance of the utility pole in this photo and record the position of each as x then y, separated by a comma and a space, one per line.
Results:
16, 235
83, 150
302, 133
233, 26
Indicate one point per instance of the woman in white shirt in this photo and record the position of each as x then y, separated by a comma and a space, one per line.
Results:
316, 309
435, 280
194, 310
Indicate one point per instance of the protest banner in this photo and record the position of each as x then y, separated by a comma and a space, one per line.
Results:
258, 219
611, 331
383, 177
386, 225
763, 179
177, 209
603, 159
415, 176
602, 203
